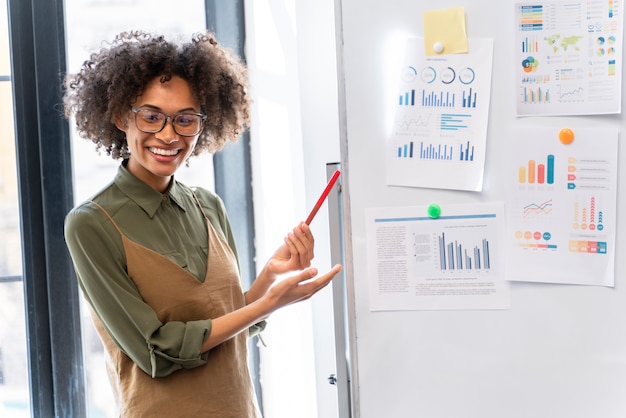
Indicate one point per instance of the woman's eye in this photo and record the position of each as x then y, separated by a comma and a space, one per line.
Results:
151, 116
184, 119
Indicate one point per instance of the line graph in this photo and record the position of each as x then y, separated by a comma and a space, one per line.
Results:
575, 94
412, 123
534, 210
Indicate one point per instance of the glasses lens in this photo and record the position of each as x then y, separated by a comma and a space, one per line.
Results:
187, 124
152, 121
149, 120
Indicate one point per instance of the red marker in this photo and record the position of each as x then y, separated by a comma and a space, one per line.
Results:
323, 197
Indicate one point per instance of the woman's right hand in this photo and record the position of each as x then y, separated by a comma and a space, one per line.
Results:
298, 287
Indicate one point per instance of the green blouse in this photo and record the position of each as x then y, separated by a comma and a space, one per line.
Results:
170, 224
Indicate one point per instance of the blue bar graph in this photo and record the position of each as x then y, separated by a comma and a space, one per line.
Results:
426, 151
441, 99
465, 154
407, 99
406, 150
435, 152
469, 98
453, 121
454, 256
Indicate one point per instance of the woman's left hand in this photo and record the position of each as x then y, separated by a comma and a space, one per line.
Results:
295, 254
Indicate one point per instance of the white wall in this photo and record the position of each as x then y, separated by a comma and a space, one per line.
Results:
291, 58
320, 135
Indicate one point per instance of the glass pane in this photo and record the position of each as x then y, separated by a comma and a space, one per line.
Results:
88, 24
14, 395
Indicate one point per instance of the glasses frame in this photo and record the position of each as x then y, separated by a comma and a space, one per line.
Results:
169, 117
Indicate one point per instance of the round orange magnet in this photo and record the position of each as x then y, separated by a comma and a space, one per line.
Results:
566, 136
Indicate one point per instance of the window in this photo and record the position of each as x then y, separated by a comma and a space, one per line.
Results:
14, 395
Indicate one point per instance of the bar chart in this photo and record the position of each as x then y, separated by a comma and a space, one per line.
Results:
455, 255
537, 173
530, 44
454, 121
426, 151
407, 98
469, 98
535, 95
430, 99
587, 217
438, 99
467, 152
531, 17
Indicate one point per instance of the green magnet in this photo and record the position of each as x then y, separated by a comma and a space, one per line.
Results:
434, 211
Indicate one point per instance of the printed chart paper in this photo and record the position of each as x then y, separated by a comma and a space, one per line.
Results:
561, 206
453, 262
569, 57
440, 126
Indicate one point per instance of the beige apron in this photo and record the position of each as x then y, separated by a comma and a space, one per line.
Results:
222, 387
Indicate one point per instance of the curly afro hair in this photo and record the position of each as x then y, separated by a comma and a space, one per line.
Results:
112, 79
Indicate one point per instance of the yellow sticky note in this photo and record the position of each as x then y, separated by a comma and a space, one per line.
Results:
444, 31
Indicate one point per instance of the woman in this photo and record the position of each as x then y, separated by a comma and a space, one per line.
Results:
156, 260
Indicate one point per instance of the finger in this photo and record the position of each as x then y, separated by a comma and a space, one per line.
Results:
301, 250
291, 245
303, 233
305, 242
308, 233
309, 287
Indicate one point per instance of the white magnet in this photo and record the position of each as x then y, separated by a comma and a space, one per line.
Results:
438, 47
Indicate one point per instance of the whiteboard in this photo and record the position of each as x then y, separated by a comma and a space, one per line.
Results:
559, 351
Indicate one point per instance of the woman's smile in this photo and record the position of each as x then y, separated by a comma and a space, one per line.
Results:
163, 152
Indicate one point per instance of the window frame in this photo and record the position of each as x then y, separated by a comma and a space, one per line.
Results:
36, 30
233, 167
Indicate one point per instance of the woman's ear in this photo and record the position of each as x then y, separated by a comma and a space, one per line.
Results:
120, 122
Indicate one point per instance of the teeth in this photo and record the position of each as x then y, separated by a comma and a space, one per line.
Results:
161, 151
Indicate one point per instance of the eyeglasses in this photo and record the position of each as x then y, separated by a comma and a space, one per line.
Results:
153, 121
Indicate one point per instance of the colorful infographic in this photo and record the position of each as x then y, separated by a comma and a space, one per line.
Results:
441, 110
569, 57
561, 206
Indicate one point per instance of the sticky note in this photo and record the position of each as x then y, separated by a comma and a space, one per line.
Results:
445, 28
